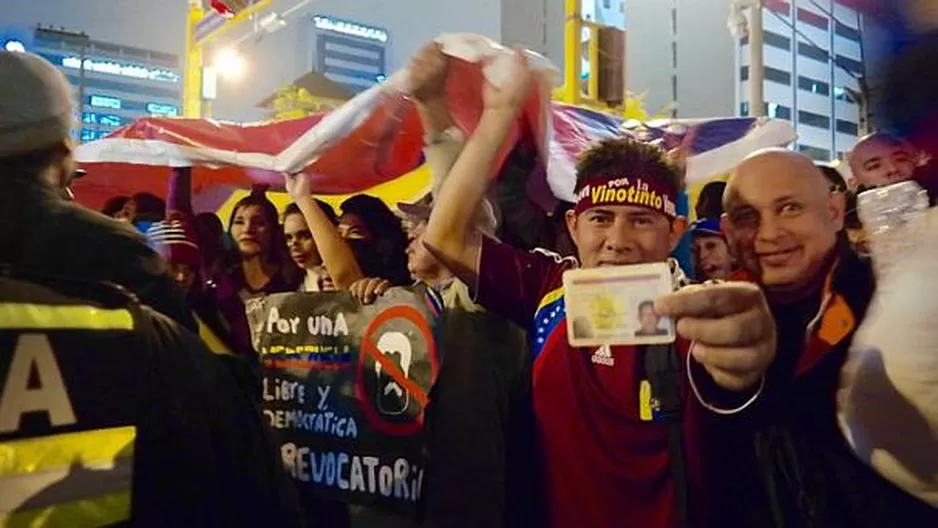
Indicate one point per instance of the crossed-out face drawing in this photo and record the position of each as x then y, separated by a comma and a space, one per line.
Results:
392, 399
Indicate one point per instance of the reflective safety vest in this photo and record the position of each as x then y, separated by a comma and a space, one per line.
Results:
81, 477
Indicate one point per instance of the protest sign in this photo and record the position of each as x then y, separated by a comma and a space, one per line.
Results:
345, 387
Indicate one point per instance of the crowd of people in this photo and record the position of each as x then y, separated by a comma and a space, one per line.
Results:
535, 432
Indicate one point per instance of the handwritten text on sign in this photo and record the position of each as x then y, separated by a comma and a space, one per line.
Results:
344, 388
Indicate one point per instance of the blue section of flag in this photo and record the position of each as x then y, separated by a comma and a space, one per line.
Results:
546, 320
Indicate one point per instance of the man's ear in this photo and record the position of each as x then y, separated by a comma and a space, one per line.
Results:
678, 228
836, 207
571, 218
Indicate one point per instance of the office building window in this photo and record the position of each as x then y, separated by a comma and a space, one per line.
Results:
744, 108
850, 64
812, 52
846, 31
770, 74
814, 120
674, 21
778, 6
848, 127
817, 154
813, 19
846, 95
778, 111
674, 88
607, 4
114, 86
779, 76
772, 39
674, 54
814, 86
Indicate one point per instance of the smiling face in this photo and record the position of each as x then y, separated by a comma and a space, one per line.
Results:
781, 219
618, 235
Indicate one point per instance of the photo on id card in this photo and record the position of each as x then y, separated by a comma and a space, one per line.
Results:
615, 305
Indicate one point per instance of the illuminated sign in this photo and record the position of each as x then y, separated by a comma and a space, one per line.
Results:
350, 28
103, 101
125, 70
158, 109
14, 45
110, 120
91, 135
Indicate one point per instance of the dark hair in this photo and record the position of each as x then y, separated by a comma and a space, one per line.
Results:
114, 205
386, 256
277, 252
646, 304
710, 201
837, 181
327, 210
627, 156
851, 217
150, 207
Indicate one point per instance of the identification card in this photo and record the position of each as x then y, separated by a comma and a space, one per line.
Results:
615, 305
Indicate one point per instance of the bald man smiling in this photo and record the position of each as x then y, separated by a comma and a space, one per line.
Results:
794, 467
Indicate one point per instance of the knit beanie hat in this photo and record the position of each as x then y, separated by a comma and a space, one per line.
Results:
35, 104
175, 241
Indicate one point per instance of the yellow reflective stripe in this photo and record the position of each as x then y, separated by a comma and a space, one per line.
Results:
48, 453
99, 511
28, 316
71, 479
210, 339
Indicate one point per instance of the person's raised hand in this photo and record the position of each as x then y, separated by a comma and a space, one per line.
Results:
684, 150
731, 326
428, 73
367, 291
297, 185
513, 93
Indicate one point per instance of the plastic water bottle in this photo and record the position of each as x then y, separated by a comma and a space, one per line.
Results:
895, 220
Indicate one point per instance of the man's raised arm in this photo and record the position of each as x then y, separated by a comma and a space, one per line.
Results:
450, 235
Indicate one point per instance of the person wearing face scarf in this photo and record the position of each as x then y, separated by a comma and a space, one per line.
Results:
39, 229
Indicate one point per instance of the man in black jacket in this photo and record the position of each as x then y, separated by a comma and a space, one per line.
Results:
39, 230
789, 465
111, 413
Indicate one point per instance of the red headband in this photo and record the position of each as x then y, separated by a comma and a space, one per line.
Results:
623, 190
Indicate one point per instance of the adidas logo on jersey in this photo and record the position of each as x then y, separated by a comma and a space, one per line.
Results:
603, 356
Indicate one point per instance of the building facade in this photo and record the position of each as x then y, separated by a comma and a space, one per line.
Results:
114, 84
812, 73
813, 63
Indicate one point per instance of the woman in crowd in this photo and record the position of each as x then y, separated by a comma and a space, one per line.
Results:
377, 237
121, 208
301, 244
258, 265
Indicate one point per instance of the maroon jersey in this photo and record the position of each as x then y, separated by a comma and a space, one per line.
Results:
603, 464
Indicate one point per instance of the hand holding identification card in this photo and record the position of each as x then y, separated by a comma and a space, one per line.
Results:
615, 305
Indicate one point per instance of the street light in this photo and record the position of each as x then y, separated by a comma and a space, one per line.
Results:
229, 63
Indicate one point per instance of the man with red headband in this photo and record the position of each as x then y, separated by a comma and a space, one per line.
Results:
605, 462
